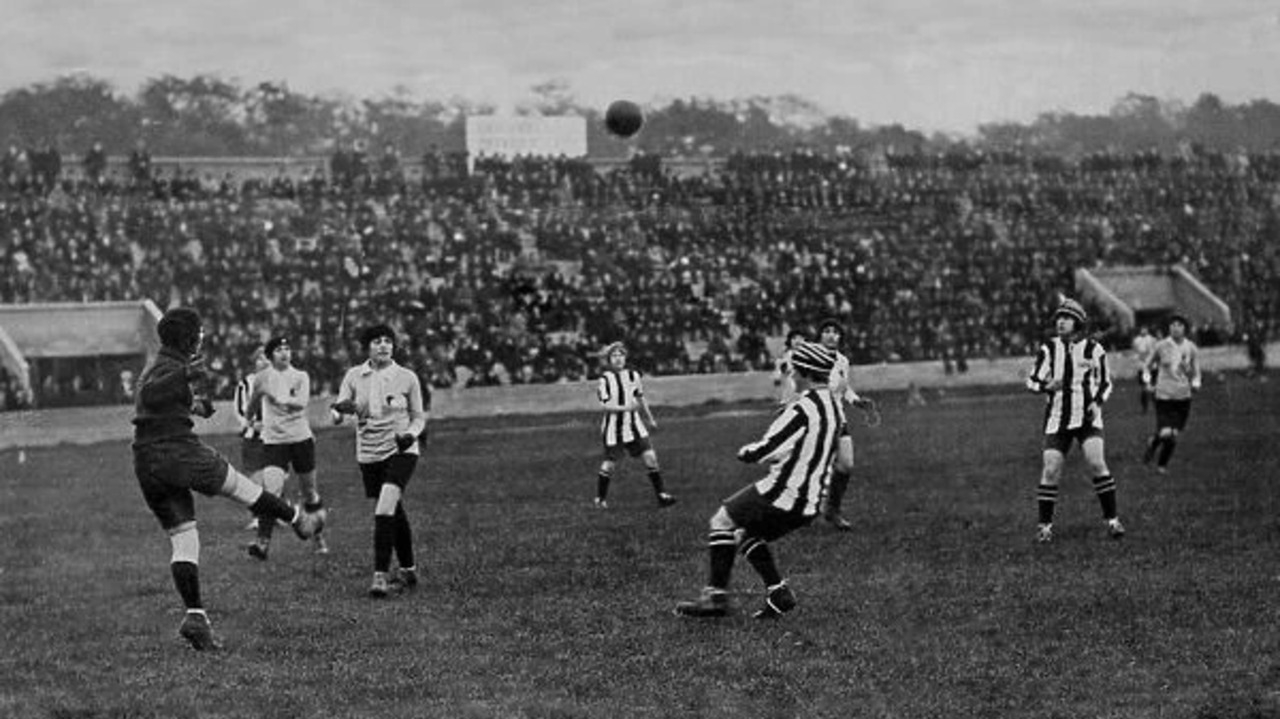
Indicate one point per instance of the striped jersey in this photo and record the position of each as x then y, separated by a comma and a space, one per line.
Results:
799, 446
388, 402
616, 390
282, 425
250, 422
1081, 366
1177, 368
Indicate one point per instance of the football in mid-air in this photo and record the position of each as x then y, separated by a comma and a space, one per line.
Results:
623, 118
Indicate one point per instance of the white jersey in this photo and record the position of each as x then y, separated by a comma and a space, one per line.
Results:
281, 425
838, 382
388, 402
1177, 368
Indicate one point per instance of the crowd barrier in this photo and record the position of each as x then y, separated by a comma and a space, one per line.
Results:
87, 425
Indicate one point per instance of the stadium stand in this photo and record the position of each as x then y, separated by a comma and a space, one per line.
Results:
517, 271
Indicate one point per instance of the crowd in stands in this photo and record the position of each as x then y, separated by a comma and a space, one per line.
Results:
519, 271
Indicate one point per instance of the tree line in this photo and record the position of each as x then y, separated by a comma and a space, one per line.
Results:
207, 115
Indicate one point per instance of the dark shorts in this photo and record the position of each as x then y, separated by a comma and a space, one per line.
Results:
299, 455
1062, 440
1172, 413
635, 448
253, 456
396, 469
170, 470
753, 513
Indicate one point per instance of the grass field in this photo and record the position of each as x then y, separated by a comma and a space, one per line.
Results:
535, 605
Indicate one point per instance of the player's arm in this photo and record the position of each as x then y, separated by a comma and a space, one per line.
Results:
1041, 379
644, 407
778, 440
417, 409
1104, 378
346, 402
1193, 357
304, 395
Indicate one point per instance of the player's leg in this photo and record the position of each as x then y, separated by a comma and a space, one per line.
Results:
184, 565
650, 459
1177, 412
384, 537
399, 471
1104, 485
303, 459
605, 475
262, 503
839, 483
1047, 491
273, 479
174, 507
722, 549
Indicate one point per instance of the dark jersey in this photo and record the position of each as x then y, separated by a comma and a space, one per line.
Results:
163, 400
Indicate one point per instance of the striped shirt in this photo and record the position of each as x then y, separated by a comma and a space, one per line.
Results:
1178, 368
1081, 366
388, 402
250, 426
799, 446
284, 425
620, 393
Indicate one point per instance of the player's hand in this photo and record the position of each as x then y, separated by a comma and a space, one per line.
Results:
346, 406
404, 441
742, 454
202, 406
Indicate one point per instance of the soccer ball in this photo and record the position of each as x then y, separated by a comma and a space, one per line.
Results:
623, 118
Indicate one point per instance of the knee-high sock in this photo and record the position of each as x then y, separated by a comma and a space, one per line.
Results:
1166, 450
1046, 499
836, 489
186, 577
722, 549
384, 537
761, 557
404, 538
655, 478
602, 484
1105, 488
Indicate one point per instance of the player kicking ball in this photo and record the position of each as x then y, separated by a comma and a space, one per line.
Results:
171, 463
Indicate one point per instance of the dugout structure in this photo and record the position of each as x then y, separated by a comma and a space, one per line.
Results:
1146, 294
77, 353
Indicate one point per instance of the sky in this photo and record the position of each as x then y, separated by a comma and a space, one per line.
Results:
941, 65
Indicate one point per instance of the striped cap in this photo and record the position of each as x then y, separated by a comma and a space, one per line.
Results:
812, 357
1071, 309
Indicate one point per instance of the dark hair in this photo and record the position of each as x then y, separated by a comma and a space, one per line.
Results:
179, 329
377, 331
833, 323
274, 344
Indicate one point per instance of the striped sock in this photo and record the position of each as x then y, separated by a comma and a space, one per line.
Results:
761, 557
722, 548
1105, 488
1046, 498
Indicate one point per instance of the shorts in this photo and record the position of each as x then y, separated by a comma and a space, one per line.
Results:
301, 456
170, 469
1172, 413
253, 456
1061, 441
635, 448
758, 518
396, 469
